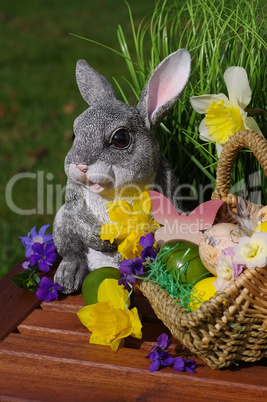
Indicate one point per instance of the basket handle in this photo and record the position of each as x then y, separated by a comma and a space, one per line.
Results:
237, 141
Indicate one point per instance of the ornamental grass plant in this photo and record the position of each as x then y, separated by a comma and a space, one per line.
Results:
218, 35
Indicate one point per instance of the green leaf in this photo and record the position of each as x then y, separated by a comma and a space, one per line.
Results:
36, 278
26, 280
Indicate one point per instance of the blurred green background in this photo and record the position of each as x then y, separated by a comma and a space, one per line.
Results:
39, 100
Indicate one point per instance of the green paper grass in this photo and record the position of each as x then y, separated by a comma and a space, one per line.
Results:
172, 280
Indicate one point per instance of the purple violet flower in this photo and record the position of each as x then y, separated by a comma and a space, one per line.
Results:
126, 280
159, 358
163, 342
34, 237
147, 240
158, 354
126, 267
129, 268
26, 264
132, 267
147, 243
44, 255
48, 290
138, 268
148, 252
179, 364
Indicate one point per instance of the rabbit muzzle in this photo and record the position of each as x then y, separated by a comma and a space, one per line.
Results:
95, 181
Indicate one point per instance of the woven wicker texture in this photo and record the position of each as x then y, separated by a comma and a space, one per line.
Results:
232, 325
244, 138
237, 209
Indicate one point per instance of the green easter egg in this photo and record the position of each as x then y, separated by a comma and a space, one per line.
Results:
184, 256
92, 281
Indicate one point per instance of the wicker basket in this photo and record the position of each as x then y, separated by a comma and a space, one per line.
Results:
232, 325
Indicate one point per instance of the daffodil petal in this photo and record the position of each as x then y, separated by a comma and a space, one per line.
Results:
203, 132
219, 148
223, 121
119, 211
97, 341
109, 290
130, 223
102, 321
108, 323
142, 205
237, 84
201, 103
111, 231
110, 320
252, 125
130, 248
136, 323
204, 136
115, 344
84, 314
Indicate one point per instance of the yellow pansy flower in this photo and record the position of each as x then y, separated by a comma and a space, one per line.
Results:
129, 223
225, 116
110, 320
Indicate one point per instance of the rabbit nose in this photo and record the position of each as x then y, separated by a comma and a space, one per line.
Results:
82, 168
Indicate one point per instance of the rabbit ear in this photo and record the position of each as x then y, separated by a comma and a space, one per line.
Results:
164, 87
93, 87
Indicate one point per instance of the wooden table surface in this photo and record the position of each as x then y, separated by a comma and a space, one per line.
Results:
45, 355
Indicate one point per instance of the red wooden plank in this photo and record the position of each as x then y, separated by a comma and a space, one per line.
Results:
107, 375
73, 303
54, 325
15, 303
70, 303
58, 363
67, 326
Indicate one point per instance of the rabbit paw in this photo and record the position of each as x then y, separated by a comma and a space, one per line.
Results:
71, 274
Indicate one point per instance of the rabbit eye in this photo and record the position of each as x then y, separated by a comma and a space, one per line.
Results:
121, 138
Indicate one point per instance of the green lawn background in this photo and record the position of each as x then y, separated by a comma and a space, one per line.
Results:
39, 99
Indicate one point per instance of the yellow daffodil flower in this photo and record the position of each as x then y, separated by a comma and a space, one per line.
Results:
225, 116
110, 320
129, 223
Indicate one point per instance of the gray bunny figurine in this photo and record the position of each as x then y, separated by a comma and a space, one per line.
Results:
114, 154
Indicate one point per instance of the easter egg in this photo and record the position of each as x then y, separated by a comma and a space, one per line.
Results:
92, 281
216, 239
202, 291
184, 256
262, 215
261, 227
